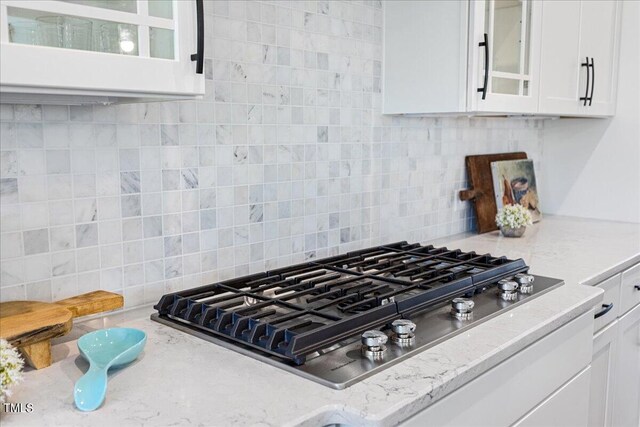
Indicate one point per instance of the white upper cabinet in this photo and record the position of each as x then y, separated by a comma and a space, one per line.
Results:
100, 51
579, 57
425, 57
501, 57
457, 57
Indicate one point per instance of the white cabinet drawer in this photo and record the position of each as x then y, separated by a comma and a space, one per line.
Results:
504, 394
630, 291
611, 288
566, 407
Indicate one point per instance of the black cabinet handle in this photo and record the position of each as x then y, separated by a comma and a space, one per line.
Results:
637, 287
585, 98
605, 309
199, 55
593, 80
485, 43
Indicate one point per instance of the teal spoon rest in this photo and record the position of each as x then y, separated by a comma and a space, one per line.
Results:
104, 349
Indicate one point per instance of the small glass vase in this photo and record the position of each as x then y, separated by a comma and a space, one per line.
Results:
513, 232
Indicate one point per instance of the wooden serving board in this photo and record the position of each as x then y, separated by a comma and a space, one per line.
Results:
481, 192
30, 325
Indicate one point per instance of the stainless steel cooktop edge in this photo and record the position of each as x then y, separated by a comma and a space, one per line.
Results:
344, 366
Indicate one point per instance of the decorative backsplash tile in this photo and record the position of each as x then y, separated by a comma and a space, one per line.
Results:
286, 158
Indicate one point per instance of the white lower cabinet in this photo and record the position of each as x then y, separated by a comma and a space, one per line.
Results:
545, 376
568, 378
603, 376
626, 403
567, 407
614, 396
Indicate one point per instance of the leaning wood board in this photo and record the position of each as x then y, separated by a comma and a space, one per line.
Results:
481, 192
30, 325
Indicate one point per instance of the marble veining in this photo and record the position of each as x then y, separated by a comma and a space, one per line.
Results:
86, 210
130, 182
62, 263
172, 267
189, 179
8, 190
61, 238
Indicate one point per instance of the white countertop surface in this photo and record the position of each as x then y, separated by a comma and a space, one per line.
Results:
182, 380
576, 250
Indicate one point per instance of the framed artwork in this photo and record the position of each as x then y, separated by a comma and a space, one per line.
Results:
514, 181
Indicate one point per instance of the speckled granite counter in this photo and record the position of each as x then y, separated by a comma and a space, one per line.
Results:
182, 380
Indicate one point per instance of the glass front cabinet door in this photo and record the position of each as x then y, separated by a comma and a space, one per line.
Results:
83, 51
504, 44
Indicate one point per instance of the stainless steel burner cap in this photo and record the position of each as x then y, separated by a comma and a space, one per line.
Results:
373, 344
508, 289
403, 326
462, 308
525, 281
403, 332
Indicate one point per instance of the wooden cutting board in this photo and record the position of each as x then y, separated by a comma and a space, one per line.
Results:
481, 192
30, 325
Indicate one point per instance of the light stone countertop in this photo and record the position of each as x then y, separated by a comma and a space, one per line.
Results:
183, 380
579, 251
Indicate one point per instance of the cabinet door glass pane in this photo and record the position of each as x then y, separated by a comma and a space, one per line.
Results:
22, 31
507, 30
505, 86
71, 32
87, 25
121, 5
507, 23
161, 43
161, 8
111, 37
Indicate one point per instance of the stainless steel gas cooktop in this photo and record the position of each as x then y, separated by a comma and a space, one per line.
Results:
341, 319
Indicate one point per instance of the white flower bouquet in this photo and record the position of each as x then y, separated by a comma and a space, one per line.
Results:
513, 220
10, 369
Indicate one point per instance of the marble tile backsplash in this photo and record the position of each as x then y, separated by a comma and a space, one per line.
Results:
287, 158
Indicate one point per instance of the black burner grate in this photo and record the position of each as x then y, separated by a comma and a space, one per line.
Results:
294, 311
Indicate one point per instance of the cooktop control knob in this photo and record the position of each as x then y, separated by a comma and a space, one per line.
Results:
403, 332
508, 289
373, 344
462, 308
525, 281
